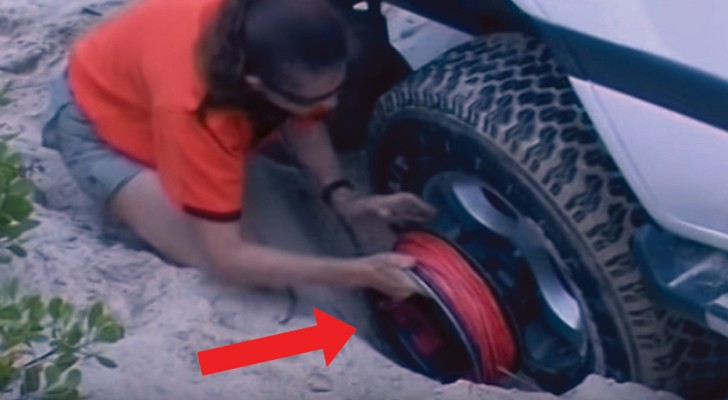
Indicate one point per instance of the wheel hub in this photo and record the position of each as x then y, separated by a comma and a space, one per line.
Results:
514, 257
457, 329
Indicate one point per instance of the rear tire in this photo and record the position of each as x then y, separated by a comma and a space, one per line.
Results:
500, 108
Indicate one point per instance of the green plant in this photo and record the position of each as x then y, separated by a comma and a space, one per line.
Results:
42, 341
4, 99
16, 207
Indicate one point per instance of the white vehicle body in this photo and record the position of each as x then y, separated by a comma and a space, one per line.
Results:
661, 120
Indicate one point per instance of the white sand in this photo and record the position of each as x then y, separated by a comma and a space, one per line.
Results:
172, 313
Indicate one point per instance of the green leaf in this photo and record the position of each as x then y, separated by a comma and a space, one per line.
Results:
66, 311
5, 219
15, 159
31, 380
18, 250
21, 187
10, 313
97, 309
74, 335
14, 340
65, 361
109, 333
8, 373
54, 394
17, 207
72, 395
28, 225
8, 172
73, 379
10, 290
61, 394
54, 307
106, 362
27, 301
103, 319
36, 308
12, 232
4, 100
52, 374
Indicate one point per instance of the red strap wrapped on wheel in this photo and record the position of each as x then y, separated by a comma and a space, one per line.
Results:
468, 297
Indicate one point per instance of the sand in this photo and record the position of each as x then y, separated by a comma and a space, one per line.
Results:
171, 313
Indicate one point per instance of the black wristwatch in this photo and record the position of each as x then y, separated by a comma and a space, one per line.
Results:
328, 191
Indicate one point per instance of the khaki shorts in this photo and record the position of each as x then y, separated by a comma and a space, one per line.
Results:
99, 170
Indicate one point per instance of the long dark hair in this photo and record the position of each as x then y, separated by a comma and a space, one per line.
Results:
264, 38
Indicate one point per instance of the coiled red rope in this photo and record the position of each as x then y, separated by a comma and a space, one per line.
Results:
468, 297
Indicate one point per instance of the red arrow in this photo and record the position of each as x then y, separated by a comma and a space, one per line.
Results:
329, 334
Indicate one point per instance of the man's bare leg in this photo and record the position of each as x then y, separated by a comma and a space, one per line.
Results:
143, 206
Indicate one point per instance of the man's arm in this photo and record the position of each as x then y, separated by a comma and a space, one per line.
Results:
245, 262
240, 261
316, 155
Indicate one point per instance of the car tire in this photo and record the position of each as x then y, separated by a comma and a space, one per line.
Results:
500, 108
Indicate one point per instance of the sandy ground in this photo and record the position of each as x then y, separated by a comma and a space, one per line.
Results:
172, 313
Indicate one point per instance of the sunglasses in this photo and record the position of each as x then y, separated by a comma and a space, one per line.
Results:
299, 100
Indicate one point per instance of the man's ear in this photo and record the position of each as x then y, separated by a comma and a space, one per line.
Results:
254, 82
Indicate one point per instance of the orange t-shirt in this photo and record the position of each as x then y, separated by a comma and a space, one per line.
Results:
136, 78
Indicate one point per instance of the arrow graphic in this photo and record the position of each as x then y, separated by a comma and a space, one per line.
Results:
329, 334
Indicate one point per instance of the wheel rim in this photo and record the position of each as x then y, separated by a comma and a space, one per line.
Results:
469, 203
555, 331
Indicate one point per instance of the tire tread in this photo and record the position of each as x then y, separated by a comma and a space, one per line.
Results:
509, 88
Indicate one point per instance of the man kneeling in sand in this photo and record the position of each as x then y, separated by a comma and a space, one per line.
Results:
162, 104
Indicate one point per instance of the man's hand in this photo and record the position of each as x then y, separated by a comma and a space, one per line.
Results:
386, 273
393, 208
315, 154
